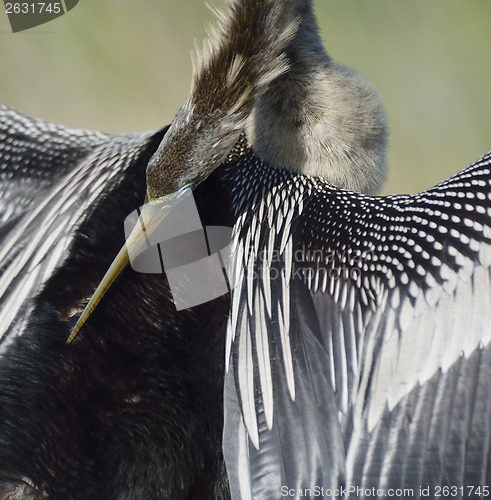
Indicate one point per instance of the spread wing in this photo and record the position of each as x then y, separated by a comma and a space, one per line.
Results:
358, 345
50, 179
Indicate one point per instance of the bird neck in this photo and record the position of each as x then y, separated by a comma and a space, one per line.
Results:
307, 42
320, 118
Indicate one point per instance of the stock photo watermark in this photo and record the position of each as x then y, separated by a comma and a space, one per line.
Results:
27, 14
359, 492
192, 256
197, 259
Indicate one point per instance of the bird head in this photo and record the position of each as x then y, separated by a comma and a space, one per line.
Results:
241, 57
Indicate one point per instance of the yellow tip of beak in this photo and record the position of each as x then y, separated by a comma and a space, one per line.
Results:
117, 267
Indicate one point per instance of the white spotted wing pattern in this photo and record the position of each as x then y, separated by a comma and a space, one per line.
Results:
358, 345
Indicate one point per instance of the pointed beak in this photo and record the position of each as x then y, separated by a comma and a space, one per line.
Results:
152, 214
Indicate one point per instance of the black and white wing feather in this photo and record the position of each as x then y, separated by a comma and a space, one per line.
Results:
358, 345
50, 177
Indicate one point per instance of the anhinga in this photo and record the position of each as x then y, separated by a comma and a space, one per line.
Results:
353, 350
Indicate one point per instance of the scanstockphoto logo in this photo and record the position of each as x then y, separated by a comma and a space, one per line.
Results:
192, 256
26, 14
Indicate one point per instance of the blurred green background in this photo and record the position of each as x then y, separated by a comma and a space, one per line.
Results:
124, 65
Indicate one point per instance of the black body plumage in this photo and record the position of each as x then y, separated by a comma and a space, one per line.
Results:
134, 410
